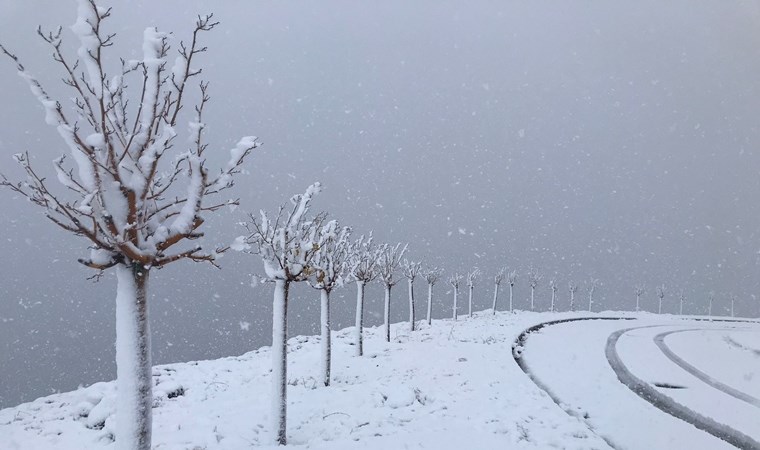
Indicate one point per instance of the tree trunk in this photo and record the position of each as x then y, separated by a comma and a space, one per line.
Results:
532, 297
637, 302
554, 295
680, 308
590, 299
659, 308
280, 360
326, 338
387, 312
359, 318
495, 297
572, 301
510, 297
133, 368
411, 304
470, 308
456, 294
430, 304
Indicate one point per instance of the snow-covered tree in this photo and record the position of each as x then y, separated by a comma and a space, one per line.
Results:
660, 295
593, 283
639, 291
472, 279
681, 299
287, 245
455, 280
330, 267
511, 279
497, 279
534, 277
411, 269
390, 260
553, 287
431, 276
572, 288
365, 257
136, 191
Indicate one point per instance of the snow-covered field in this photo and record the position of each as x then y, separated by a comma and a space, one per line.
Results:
453, 385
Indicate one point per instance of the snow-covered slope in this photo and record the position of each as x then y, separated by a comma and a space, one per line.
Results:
453, 385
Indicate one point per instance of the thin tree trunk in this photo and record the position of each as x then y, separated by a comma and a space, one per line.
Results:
495, 297
709, 307
732, 307
554, 295
637, 302
133, 366
430, 304
590, 299
456, 294
659, 308
326, 338
359, 318
387, 312
510, 297
532, 304
680, 308
411, 305
572, 300
280, 361
470, 308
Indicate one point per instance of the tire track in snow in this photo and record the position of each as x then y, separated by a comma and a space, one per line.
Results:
659, 340
519, 345
667, 404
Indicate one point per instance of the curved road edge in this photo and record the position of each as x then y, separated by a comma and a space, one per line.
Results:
659, 340
668, 405
517, 348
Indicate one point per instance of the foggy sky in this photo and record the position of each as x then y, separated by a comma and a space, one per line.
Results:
609, 139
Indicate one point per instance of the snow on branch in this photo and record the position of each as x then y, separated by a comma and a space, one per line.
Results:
127, 196
411, 269
432, 275
289, 242
473, 276
331, 260
390, 261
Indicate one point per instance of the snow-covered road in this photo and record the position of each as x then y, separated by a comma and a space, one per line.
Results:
570, 361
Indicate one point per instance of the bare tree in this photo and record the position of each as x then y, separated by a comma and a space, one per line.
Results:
497, 279
411, 269
365, 257
472, 279
572, 288
639, 291
681, 299
455, 280
511, 279
593, 283
553, 287
660, 295
288, 245
534, 277
390, 260
431, 276
733, 300
124, 194
330, 270
710, 299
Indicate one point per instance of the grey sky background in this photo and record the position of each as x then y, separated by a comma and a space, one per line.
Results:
608, 139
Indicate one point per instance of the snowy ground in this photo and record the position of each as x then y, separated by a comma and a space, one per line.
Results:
453, 385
